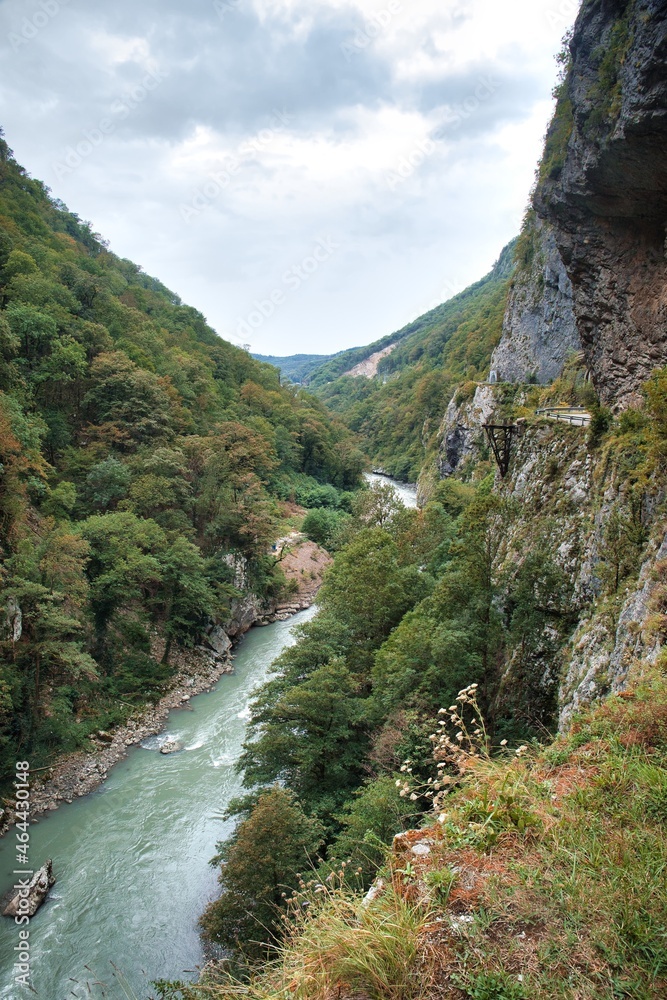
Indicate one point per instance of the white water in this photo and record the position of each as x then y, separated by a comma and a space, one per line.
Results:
132, 858
406, 491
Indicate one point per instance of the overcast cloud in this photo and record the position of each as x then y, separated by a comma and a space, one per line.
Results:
311, 174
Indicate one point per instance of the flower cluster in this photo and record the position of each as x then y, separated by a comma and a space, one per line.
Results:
460, 741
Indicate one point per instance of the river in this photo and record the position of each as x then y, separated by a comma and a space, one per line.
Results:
132, 858
407, 492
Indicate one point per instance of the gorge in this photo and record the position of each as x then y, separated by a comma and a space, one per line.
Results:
451, 781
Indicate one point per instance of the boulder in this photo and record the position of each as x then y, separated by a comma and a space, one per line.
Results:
219, 641
171, 746
28, 900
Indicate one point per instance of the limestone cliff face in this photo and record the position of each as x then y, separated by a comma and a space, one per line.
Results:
599, 658
461, 433
540, 330
539, 335
604, 189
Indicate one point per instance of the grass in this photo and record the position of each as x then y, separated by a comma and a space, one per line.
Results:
576, 906
340, 947
546, 880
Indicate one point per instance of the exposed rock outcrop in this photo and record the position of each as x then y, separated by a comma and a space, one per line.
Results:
303, 563
604, 189
539, 330
13, 620
557, 481
369, 367
27, 900
461, 433
600, 659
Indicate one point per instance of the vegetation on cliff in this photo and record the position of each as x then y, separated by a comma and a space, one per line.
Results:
535, 872
470, 589
142, 460
418, 604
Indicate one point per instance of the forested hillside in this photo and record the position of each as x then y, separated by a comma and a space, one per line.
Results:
141, 457
398, 412
490, 668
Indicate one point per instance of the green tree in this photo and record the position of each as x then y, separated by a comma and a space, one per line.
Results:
261, 864
124, 567
17, 263
312, 738
370, 591
369, 824
128, 405
107, 483
185, 600
623, 541
325, 526
376, 506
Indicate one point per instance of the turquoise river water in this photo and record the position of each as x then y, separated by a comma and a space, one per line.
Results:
132, 858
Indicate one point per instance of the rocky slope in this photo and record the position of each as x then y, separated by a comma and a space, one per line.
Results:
369, 367
539, 335
573, 493
590, 276
604, 189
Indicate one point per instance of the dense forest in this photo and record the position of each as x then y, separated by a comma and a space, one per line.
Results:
140, 456
298, 367
454, 780
419, 605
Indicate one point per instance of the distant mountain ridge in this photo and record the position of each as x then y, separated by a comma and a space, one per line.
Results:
297, 367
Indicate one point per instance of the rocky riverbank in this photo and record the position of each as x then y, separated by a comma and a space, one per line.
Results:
82, 772
198, 670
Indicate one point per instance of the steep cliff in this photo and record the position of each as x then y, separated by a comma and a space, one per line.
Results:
461, 433
539, 336
598, 513
590, 276
603, 187
539, 329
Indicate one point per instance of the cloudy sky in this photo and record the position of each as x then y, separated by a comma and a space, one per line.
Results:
311, 174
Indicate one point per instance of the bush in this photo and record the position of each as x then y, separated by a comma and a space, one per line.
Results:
601, 422
325, 526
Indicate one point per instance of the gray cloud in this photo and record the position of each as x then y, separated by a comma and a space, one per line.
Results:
185, 93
